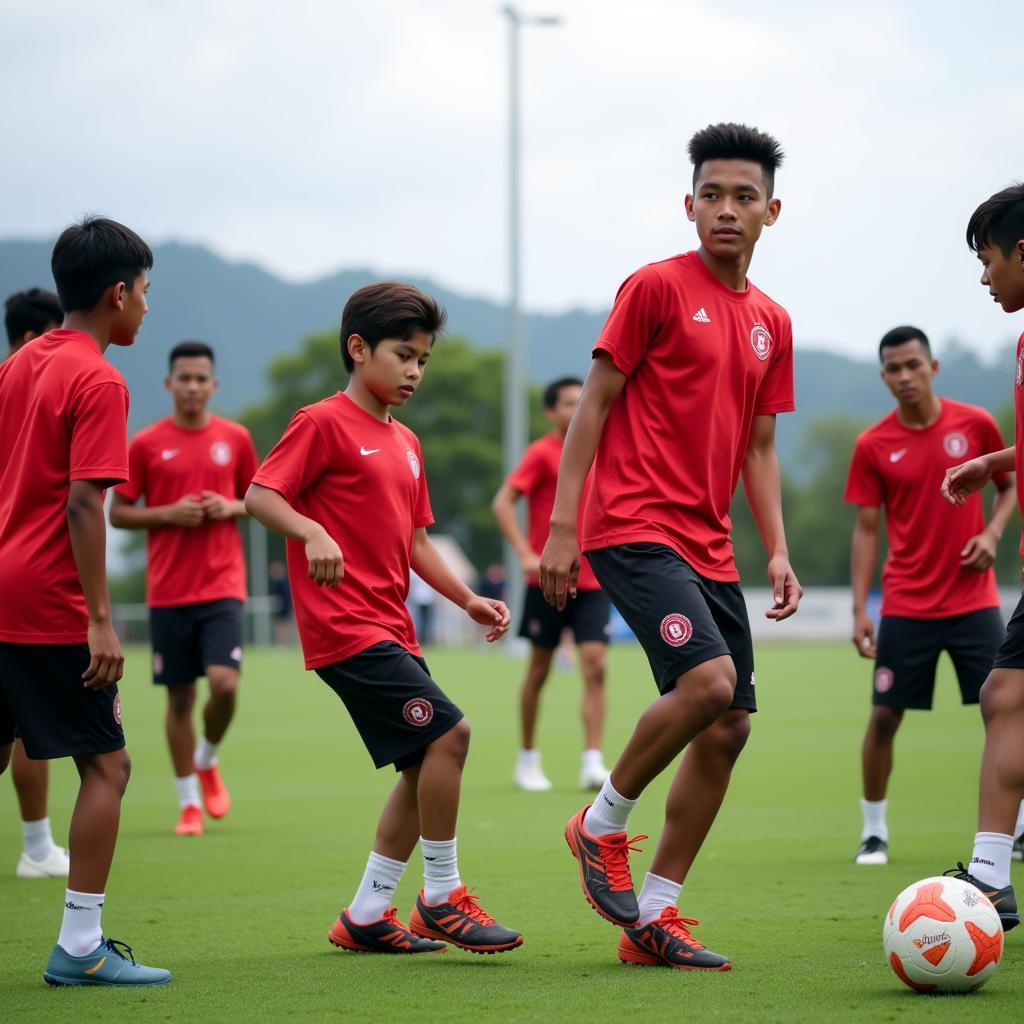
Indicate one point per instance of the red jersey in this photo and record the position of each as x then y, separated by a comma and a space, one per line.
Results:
363, 481
1018, 430
191, 564
701, 361
536, 476
63, 413
902, 469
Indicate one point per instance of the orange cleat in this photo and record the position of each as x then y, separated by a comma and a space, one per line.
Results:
385, 935
668, 942
216, 798
191, 821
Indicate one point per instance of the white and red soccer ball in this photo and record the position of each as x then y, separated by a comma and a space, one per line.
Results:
942, 935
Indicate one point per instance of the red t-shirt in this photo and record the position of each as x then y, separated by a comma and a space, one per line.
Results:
191, 564
536, 476
702, 361
363, 481
63, 410
1018, 430
902, 469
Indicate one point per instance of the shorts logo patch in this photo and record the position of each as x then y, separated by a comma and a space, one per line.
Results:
117, 709
158, 663
414, 462
884, 678
418, 711
533, 627
751, 680
676, 629
761, 340
220, 452
955, 444
236, 653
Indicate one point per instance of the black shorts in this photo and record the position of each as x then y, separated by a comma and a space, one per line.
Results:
188, 638
1011, 649
680, 618
43, 702
395, 705
586, 615
909, 649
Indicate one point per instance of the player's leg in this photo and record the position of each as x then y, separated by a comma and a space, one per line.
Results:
542, 625
590, 631
41, 857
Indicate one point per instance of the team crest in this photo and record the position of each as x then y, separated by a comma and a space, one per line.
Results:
220, 452
418, 711
414, 462
884, 679
761, 341
956, 445
117, 709
1020, 367
676, 629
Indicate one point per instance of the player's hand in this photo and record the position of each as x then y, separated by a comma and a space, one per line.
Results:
786, 589
106, 661
187, 511
489, 611
963, 480
864, 635
215, 505
326, 565
530, 564
979, 552
560, 566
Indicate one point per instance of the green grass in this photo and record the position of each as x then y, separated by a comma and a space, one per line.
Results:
241, 915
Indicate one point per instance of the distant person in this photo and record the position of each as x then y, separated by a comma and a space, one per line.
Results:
423, 599
28, 315
492, 582
586, 614
281, 593
938, 585
63, 410
192, 469
347, 487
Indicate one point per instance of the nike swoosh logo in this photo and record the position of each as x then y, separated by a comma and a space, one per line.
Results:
169, 453
896, 456
368, 451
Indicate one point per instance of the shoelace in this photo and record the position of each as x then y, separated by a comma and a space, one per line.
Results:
113, 944
958, 872
469, 903
615, 850
678, 926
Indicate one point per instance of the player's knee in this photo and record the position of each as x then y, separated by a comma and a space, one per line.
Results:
1002, 694
181, 699
458, 740
884, 722
731, 733
224, 684
715, 693
594, 669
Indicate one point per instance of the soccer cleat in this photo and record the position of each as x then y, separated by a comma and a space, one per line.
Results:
668, 942
191, 821
462, 922
216, 798
1018, 848
531, 777
105, 965
1004, 900
54, 865
872, 851
593, 776
604, 871
385, 935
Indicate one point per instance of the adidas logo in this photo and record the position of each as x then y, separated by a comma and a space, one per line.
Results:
701, 316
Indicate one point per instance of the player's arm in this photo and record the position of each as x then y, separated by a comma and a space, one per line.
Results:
863, 555
88, 530
126, 515
963, 480
434, 571
763, 482
504, 508
980, 551
216, 506
269, 507
560, 560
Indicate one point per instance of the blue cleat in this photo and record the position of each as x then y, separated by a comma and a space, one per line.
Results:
105, 965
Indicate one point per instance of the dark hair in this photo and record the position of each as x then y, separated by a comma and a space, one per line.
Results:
190, 350
388, 309
554, 390
900, 336
34, 309
91, 256
998, 221
729, 141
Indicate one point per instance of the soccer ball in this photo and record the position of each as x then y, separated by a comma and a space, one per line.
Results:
942, 935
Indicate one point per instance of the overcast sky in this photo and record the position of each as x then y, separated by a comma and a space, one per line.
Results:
315, 135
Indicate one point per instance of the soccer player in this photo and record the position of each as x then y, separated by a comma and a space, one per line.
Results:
347, 487
27, 315
938, 586
995, 233
63, 409
586, 614
192, 469
689, 372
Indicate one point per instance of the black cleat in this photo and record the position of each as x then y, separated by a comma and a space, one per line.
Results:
872, 851
385, 935
462, 922
1004, 900
668, 942
604, 871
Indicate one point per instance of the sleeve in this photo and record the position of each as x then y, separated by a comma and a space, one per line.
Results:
424, 514
775, 394
992, 441
247, 463
135, 486
296, 461
99, 437
633, 322
525, 477
863, 485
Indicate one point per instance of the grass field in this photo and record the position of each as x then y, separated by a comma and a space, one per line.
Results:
241, 915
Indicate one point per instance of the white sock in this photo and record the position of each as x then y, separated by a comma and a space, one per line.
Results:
188, 790
1018, 829
80, 931
592, 758
440, 869
657, 894
37, 838
874, 819
609, 812
990, 861
376, 891
206, 753
529, 758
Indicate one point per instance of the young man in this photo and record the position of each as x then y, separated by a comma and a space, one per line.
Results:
688, 375
62, 442
995, 233
192, 468
27, 315
938, 586
586, 614
346, 486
